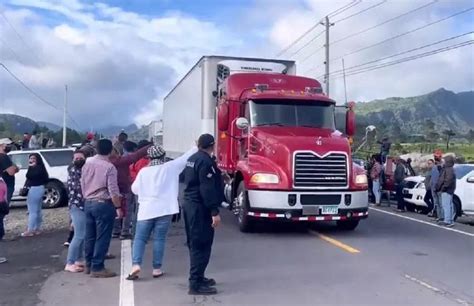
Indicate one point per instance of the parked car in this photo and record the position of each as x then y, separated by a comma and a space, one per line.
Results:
56, 162
414, 193
463, 199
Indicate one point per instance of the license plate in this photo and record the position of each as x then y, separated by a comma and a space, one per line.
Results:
329, 210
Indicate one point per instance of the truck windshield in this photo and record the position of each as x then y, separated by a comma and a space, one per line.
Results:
292, 113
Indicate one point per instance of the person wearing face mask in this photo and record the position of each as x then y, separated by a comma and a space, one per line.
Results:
75, 255
36, 178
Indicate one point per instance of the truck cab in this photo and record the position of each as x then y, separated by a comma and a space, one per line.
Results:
277, 138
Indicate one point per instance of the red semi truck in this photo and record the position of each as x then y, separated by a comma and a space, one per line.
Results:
276, 138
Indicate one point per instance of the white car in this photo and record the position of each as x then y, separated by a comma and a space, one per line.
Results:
56, 162
414, 191
463, 199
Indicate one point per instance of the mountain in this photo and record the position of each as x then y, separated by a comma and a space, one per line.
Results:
114, 130
413, 115
15, 124
50, 126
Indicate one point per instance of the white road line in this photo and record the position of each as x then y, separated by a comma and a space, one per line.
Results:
436, 290
423, 222
127, 294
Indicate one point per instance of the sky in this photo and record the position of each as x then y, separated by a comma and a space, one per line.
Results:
120, 58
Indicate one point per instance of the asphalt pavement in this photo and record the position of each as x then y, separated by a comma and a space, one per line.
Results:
390, 259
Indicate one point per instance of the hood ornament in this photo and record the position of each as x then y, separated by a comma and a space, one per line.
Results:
319, 141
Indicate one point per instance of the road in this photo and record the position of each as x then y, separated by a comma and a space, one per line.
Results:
389, 259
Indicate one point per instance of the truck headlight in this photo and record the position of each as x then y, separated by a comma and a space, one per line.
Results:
264, 178
361, 179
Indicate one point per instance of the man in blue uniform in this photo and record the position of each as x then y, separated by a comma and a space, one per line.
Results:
203, 194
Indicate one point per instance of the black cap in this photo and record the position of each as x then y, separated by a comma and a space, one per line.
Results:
206, 141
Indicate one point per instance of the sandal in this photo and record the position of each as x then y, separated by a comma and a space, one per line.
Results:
134, 275
73, 269
27, 234
157, 275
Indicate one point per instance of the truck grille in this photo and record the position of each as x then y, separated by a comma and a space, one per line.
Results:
312, 171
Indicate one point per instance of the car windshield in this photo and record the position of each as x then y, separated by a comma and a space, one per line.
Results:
312, 114
58, 158
462, 170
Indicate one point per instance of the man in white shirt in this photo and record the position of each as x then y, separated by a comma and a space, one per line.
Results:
157, 189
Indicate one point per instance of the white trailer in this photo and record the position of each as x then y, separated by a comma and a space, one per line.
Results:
189, 108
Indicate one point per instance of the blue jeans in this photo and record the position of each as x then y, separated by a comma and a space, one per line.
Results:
438, 204
34, 203
122, 226
100, 218
447, 200
76, 248
159, 226
376, 191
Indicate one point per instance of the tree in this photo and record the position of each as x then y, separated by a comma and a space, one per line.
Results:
448, 134
470, 136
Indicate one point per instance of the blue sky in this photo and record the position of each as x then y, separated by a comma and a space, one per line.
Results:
126, 55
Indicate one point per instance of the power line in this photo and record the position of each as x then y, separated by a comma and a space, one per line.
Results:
19, 36
28, 88
35, 94
307, 44
400, 53
410, 58
384, 22
4, 43
314, 26
397, 36
361, 12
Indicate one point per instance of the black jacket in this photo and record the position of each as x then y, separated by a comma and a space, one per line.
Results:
447, 178
36, 176
203, 182
399, 173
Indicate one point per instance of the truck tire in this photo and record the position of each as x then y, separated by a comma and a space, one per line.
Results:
242, 207
54, 195
348, 225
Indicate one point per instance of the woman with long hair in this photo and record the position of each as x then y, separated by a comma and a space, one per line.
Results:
75, 254
36, 178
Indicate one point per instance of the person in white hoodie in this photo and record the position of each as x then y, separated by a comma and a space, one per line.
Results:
157, 189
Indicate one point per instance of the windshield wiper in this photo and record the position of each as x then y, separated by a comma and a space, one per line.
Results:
273, 123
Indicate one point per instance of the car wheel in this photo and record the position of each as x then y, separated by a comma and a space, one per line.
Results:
241, 207
410, 207
54, 195
348, 225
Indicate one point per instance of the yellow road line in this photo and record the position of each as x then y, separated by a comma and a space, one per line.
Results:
337, 243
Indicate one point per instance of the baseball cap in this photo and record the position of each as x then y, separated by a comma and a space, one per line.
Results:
5, 141
206, 141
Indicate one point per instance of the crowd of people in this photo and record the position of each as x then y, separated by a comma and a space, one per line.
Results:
128, 191
440, 182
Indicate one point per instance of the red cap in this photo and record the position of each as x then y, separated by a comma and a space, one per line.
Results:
90, 136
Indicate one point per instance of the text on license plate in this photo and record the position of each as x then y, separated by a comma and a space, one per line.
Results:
329, 210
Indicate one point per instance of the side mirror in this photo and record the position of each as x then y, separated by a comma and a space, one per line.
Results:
350, 120
223, 117
242, 123
470, 179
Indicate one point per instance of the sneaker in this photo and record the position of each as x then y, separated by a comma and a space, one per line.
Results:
66, 244
208, 282
202, 290
3, 260
449, 225
73, 269
103, 274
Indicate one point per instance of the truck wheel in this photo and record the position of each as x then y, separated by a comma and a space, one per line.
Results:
242, 207
54, 195
349, 225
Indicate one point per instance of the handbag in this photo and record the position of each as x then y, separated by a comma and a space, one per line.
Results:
24, 192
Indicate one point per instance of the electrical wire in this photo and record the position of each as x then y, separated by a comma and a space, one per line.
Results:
383, 23
361, 11
395, 37
409, 58
347, 70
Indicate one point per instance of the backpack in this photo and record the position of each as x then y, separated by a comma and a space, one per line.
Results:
4, 207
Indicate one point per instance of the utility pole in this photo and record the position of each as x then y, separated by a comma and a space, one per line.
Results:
344, 75
327, 24
64, 115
